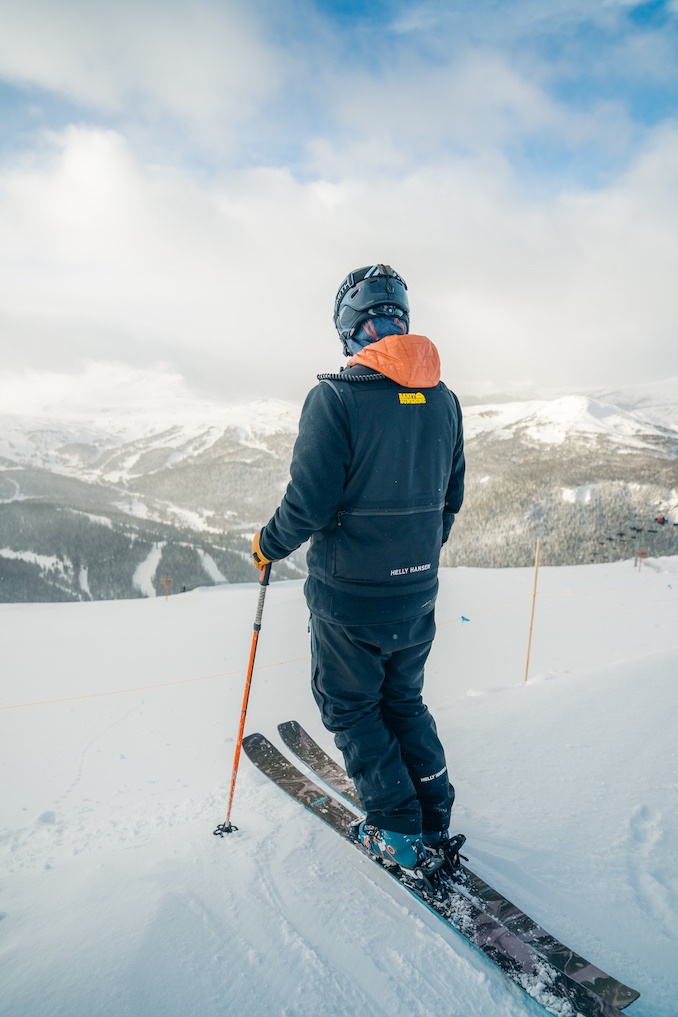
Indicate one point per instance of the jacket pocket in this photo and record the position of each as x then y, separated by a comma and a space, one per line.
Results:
386, 545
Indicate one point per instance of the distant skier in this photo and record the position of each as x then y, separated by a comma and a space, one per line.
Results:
377, 477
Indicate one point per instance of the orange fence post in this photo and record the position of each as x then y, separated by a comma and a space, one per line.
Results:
534, 599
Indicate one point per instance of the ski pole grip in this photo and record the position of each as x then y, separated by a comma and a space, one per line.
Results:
265, 575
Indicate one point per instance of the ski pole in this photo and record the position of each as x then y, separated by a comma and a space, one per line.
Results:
228, 827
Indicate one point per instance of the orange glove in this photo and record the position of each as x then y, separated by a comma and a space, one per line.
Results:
258, 556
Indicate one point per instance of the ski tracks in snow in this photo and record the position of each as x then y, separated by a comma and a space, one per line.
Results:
374, 953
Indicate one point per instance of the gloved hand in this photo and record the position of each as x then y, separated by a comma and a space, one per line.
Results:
258, 556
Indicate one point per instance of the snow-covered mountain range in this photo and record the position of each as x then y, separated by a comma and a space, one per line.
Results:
116, 449
106, 500
577, 417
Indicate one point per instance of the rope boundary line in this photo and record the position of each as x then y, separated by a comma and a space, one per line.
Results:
282, 663
147, 688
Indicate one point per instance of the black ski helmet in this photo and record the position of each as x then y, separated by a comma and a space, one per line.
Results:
369, 291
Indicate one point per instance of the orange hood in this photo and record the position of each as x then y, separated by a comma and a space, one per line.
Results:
410, 360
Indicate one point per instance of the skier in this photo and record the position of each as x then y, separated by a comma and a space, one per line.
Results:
377, 477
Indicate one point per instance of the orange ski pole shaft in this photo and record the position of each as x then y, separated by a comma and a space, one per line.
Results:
228, 827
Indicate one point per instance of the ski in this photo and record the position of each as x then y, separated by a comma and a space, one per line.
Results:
485, 896
541, 980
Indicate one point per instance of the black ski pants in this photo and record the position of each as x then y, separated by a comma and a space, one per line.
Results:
367, 681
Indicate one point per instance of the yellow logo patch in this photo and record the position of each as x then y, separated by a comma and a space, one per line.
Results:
411, 398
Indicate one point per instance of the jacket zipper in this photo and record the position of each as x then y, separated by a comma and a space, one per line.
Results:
388, 512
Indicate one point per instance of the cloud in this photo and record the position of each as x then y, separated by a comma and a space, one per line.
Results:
234, 282
93, 389
534, 222
106, 256
202, 63
480, 105
628, 3
256, 81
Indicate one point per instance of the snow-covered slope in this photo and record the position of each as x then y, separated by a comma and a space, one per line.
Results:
116, 736
656, 401
115, 448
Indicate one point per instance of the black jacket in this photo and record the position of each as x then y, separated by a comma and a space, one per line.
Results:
377, 477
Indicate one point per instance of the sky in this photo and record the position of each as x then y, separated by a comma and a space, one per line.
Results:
183, 186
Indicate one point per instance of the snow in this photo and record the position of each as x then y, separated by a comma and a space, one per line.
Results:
9, 482
657, 401
211, 568
45, 561
117, 727
553, 421
581, 495
144, 574
110, 446
83, 580
111, 422
99, 520
52, 420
